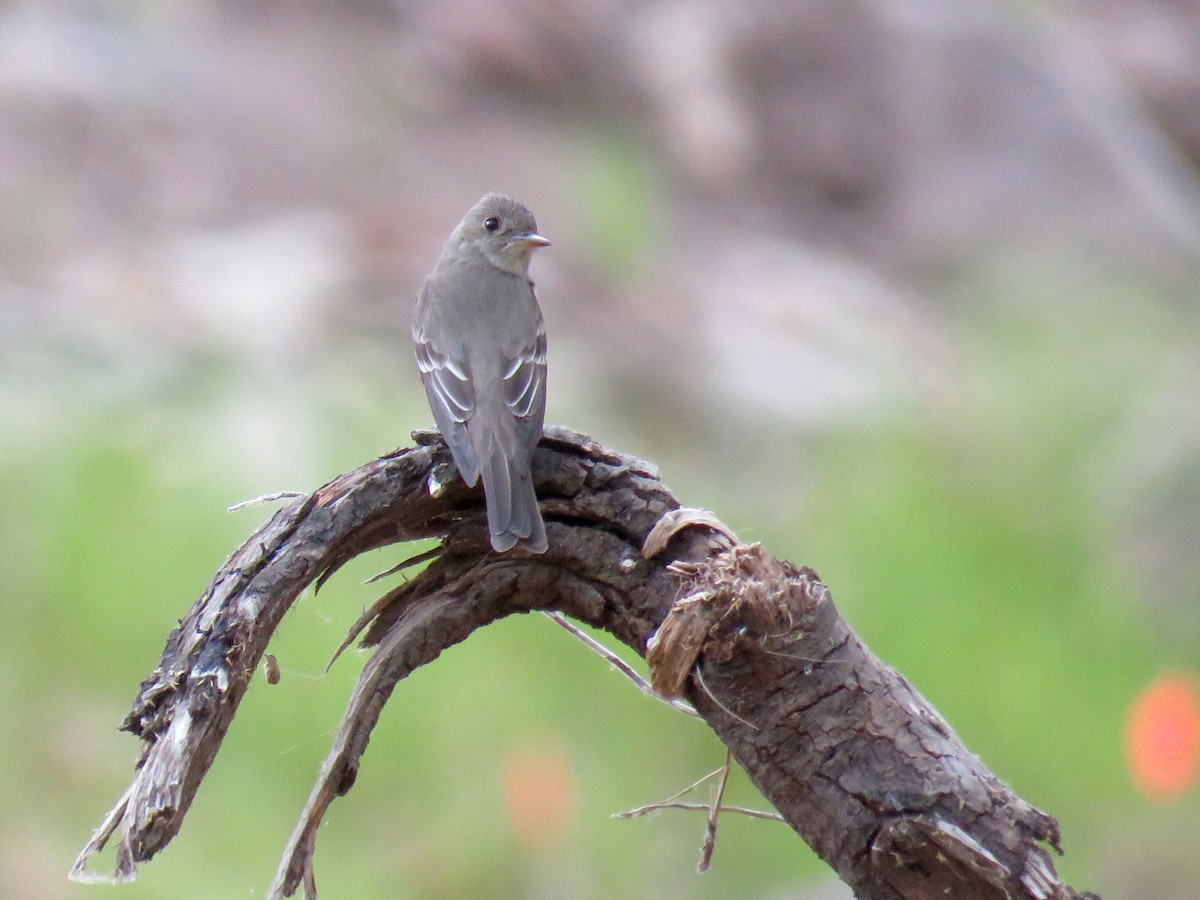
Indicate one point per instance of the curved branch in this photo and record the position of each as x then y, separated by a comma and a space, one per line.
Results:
852, 757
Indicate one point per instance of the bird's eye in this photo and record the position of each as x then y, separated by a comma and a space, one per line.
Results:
491, 223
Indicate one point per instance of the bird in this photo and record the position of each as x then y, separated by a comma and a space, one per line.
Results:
481, 349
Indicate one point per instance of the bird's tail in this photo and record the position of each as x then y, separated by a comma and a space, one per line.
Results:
512, 510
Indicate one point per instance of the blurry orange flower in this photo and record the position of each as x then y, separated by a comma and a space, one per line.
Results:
1162, 738
539, 790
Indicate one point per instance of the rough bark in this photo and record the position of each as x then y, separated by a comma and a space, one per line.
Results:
853, 758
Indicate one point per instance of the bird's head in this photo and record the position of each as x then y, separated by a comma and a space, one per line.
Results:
502, 230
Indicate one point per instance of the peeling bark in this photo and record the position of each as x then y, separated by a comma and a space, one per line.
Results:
853, 758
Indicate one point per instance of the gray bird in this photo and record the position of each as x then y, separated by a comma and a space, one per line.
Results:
481, 349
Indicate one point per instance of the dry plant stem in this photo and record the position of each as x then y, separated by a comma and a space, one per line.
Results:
620, 665
670, 802
640, 811
854, 759
714, 809
414, 560
266, 498
714, 813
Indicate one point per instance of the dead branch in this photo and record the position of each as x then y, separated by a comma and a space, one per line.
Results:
852, 757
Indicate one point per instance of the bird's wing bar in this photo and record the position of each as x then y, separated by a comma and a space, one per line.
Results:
525, 381
452, 400
448, 379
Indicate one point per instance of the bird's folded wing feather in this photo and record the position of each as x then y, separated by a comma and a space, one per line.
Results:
524, 381
452, 399
448, 379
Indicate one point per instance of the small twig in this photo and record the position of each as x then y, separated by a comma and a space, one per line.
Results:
713, 697
429, 554
806, 659
698, 807
710, 826
359, 626
714, 809
672, 802
669, 802
383, 602
267, 498
623, 667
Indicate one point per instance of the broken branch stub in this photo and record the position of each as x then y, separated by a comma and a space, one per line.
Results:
857, 762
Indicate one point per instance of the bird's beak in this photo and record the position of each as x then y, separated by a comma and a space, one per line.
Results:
535, 240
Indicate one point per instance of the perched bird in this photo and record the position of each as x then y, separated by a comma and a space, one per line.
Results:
481, 349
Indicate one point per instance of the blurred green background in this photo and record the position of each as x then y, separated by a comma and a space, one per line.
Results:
909, 300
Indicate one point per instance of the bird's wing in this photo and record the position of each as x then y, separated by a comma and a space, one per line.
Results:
452, 398
524, 382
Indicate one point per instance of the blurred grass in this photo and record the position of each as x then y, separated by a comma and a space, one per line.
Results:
618, 188
965, 538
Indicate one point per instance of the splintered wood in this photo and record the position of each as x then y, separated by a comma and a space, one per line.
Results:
742, 593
